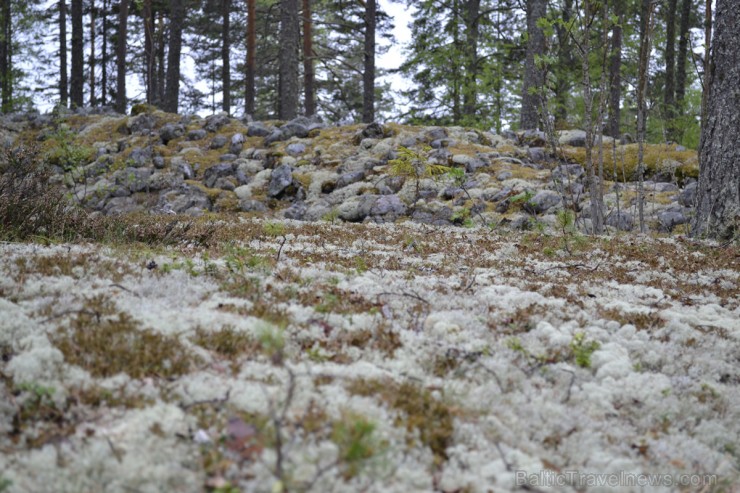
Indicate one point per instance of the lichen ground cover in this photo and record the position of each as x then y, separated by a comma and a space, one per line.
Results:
289, 356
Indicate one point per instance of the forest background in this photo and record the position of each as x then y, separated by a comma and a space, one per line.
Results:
503, 64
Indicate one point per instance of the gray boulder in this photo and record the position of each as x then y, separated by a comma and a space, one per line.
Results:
296, 211
218, 142
280, 180
215, 172
349, 178
214, 122
249, 205
623, 221
388, 206
162, 180
198, 134
237, 143
542, 201
688, 196
142, 124
121, 205
295, 149
140, 157
171, 131
187, 199
257, 129
669, 219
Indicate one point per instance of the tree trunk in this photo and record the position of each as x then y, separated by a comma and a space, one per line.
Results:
92, 53
368, 75
288, 60
308, 70
225, 51
251, 66
683, 50
63, 82
646, 17
121, 56
470, 91
172, 89
6, 65
533, 76
597, 209
615, 73
718, 192
149, 54
160, 79
77, 82
707, 66
669, 93
104, 57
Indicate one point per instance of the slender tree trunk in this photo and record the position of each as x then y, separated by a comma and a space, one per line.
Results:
456, 70
149, 55
63, 82
718, 192
669, 94
251, 65
121, 56
104, 57
368, 76
597, 212
225, 51
308, 70
470, 91
683, 50
160, 79
172, 89
288, 60
77, 75
615, 73
92, 54
642, 86
6, 65
533, 76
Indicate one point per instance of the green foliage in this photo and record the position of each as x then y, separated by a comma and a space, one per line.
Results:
582, 349
355, 438
274, 229
65, 152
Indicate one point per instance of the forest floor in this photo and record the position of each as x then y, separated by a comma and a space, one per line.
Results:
312, 356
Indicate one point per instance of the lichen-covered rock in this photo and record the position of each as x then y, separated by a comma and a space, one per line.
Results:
186, 199
542, 202
140, 156
349, 178
215, 172
214, 123
218, 142
197, 134
280, 180
669, 219
621, 220
237, 143
171, 131
688, 196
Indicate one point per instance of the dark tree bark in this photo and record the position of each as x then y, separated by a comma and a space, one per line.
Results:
121, 56
172, 89
470, 89
63, 81
93, 101
308, 70
533, 77
707, 81
368, 75
251, 66
76, 89
6, 57
669, 93
160, 79
225, 50
615, 73
288, 60
683, 50
718, 192
149, 53
104, 57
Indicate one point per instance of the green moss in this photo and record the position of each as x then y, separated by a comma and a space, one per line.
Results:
656, 156
422, 414
227, 341
107, 342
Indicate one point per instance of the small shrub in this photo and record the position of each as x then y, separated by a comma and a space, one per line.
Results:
583, 350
